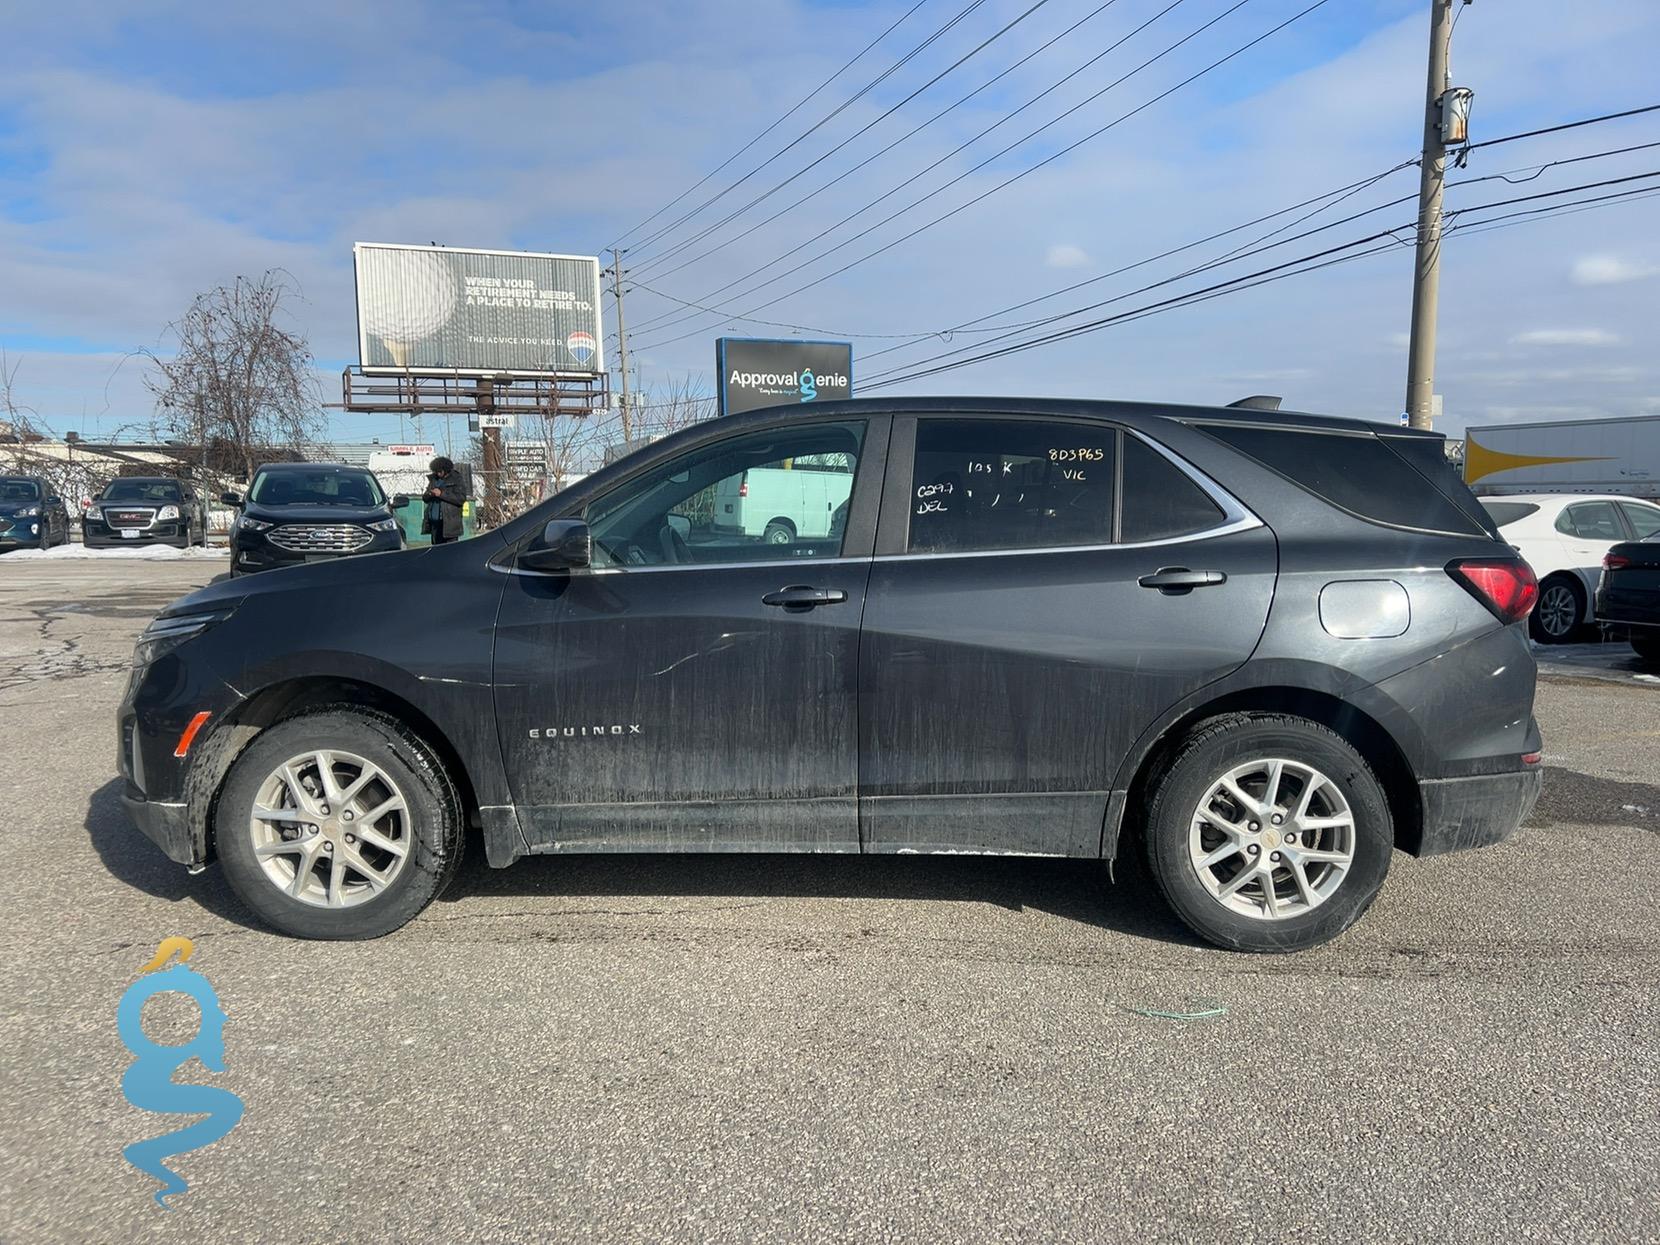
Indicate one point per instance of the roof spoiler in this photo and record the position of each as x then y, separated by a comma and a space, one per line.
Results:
1258, 402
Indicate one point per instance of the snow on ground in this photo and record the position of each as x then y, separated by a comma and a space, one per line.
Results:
158, 553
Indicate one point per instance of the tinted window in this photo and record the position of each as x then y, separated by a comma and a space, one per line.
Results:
1507, 512
19, 490
1645, 520
323, 487
1160, 501
1011, 484
1355, 471
781, 493
142, 490
1591, 520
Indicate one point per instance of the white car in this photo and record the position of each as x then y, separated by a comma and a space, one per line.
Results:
1563, 537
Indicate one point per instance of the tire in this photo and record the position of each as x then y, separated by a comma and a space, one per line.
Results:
1647, 647
1225, 746
1560, 613
428, 826
779, 532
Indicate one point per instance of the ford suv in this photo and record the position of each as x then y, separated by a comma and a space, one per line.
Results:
1264, 650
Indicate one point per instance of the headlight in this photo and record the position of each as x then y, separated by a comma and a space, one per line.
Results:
384, 525
166, 633
94, 512
168, 512
29, 512
255, 525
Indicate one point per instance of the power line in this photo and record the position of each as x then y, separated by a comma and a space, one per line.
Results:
909, 134
929, 367
1040, 164
958, 150
1557, 129
821, 123
684, 244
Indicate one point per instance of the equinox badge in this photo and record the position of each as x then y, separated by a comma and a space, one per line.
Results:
585, 732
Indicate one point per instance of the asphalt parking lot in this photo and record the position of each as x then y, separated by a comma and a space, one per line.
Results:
759, 1048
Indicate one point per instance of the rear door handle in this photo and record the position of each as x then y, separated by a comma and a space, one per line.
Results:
1175, 581
801, 597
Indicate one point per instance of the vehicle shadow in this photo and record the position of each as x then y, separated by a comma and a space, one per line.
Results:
1075, 890
134, 861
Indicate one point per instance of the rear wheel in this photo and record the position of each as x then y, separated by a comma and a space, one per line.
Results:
338, 824
1647, 647
1560, 613
779, 532
1268, 833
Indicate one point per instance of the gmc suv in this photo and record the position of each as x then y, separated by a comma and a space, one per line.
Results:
1263, 649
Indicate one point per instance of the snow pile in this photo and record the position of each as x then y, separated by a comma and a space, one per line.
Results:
156, 553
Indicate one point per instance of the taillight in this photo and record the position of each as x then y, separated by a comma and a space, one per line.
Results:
1508, 588
1614, 561
743, 488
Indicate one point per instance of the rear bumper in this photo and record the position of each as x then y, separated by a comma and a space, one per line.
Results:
1464, 813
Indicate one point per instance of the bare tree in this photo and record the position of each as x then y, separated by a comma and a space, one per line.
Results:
239, 382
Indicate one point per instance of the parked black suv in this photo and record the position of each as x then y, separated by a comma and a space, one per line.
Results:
1266, 649
31, 515
145, 510
1628, 594
311, 512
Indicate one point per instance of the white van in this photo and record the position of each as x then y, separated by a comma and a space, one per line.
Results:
783, 504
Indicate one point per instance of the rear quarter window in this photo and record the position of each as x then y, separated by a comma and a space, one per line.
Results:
1507, 512
1357, 472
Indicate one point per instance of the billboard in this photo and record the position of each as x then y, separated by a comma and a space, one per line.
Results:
450, 309
755, 372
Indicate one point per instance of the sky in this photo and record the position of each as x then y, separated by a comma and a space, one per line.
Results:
151, 152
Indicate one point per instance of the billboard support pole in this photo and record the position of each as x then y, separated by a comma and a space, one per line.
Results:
622, 343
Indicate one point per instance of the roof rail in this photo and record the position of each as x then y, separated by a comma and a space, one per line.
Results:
1258, 402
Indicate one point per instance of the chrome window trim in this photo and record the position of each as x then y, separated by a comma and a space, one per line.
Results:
678, 566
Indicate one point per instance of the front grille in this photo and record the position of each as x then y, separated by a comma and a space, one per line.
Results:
320, 537
129, 518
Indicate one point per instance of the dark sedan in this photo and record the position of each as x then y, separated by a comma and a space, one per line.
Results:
145, 510
311, 512
31, 515
1628, 594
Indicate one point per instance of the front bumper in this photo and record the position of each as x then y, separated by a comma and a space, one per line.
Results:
165, 825
1478, 811
21, 533
96, 535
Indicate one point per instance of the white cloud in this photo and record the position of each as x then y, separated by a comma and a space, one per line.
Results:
1566, 337
1611, 270
1065, 255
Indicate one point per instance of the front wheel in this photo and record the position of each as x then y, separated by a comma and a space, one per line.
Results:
338, 824
1268, 833
1647, 647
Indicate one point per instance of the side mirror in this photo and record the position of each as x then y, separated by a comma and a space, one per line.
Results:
399, 500
231, 499
54, 501
563, 545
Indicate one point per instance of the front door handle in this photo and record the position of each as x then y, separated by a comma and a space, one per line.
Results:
1176, 581
801, 597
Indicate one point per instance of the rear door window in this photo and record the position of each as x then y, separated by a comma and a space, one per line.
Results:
982, 484
1591, 520
1645, 520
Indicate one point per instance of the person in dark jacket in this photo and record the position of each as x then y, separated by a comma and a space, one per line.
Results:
445, 496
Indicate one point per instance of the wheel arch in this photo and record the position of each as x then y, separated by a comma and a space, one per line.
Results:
1358, 728
291, 697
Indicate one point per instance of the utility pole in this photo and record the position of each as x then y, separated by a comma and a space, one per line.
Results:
1426, 283
622, 342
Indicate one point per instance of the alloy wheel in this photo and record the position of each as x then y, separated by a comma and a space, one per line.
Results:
1558, 610
330, 829
1272, 839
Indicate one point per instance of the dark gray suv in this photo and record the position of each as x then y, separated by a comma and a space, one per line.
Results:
1263, 649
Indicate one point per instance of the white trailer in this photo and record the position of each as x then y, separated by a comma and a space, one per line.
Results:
1607, 456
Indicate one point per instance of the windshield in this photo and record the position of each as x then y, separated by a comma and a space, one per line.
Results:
326, 486
18, 490
143, 490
